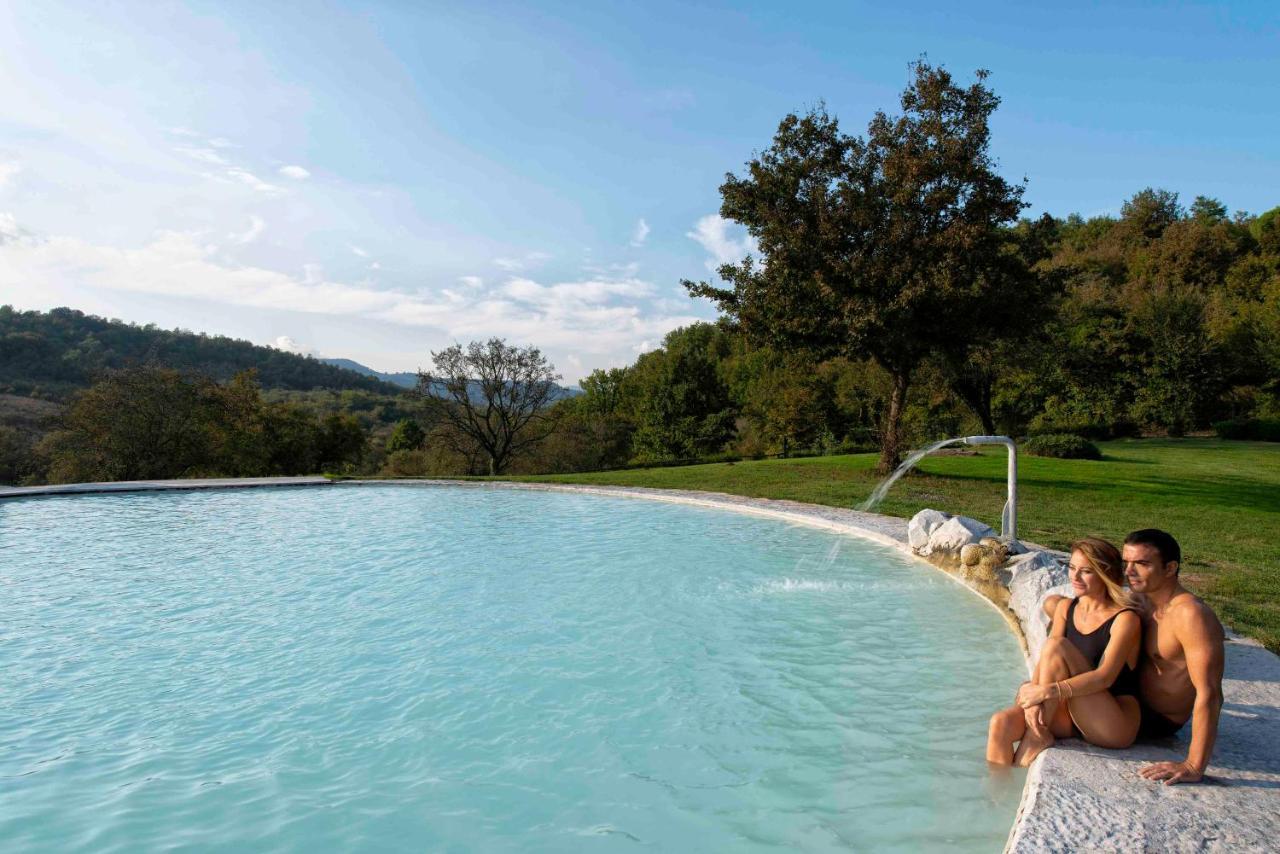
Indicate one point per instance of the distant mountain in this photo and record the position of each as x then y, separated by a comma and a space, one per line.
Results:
404, 378
410, 380
51, 354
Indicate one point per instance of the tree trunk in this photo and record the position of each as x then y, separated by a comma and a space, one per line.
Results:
493, 465
891, 439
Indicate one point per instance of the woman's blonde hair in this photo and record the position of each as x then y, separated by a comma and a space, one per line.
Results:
1104, 559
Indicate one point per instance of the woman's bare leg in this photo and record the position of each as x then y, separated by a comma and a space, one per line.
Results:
1103, 720
1007, 726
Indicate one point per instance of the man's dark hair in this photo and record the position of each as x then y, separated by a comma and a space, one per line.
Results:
1160, 541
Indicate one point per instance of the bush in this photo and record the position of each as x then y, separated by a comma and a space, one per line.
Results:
1096, 430
1064, 446
1255, 429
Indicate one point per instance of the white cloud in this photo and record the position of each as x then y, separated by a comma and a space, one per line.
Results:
8, 170
598, 319
295, 172
221, 142
640, 234
515, 265
8, 228
358, 251
375, 266
594, 316
204, 155
284, 342
712, 233
247, 178
256, 226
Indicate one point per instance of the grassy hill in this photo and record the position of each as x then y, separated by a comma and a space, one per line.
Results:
1220, 499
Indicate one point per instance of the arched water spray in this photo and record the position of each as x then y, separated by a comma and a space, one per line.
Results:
1008, 516
881, 490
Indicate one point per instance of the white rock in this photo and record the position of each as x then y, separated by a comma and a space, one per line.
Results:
956, 532
922, 525
1035, 575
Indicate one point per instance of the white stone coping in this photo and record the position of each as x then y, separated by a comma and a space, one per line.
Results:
1077, 797
158, 485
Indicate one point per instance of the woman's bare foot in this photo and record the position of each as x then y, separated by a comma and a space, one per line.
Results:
1032, 745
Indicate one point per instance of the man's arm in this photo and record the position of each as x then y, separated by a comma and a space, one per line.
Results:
1200, 634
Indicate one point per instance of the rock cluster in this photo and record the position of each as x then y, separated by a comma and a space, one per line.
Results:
1008, 574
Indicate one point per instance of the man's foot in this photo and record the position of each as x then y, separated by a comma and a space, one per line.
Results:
1031, 746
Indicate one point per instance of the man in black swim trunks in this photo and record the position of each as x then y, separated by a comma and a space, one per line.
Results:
1180, 670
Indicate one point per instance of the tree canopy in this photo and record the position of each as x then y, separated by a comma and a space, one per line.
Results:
879, 246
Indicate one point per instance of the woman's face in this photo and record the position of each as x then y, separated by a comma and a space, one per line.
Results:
1084, 581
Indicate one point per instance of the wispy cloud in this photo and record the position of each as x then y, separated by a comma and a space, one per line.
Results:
525, 262
212, 153
8, 228
297, 173
244, 176
203, 155
256, 226
640, 233
598, 315
8, 169
360, 252
713, 233
472, 281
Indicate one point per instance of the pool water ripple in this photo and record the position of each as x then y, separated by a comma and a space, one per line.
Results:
418, 668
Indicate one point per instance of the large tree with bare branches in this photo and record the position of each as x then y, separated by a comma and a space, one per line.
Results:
494, 396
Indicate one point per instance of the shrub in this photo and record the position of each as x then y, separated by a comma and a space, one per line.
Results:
1255, 429
1064, 446
1098, 431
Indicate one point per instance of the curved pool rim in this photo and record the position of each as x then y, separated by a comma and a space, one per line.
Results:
885, 530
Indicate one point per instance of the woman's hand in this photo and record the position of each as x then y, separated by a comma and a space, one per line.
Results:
1031, 695
1034, 717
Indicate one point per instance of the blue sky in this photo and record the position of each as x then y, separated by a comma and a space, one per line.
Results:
378, 180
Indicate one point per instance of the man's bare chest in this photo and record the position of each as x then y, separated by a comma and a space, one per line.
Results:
1162, 647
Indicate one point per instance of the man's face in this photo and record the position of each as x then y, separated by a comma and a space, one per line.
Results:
1144, 570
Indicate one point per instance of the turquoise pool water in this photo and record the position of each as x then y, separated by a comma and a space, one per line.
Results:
409, 668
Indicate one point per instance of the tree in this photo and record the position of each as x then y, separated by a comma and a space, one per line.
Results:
872, 247
406, 436
683, 408
1021, 291
496, 396
136, 424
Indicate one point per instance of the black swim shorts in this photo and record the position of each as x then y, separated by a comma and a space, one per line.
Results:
1156, 725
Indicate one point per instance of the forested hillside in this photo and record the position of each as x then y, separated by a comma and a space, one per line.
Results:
50, 354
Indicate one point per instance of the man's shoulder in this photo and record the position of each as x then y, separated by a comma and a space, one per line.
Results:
1189, 611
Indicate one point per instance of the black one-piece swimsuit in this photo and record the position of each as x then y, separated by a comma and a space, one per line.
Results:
1094, 644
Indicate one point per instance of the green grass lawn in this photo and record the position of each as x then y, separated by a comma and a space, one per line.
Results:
1220, 499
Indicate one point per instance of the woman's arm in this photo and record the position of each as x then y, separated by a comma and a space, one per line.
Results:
1057, 629
1126, 633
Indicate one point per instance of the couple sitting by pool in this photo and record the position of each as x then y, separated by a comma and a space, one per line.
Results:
1120, 665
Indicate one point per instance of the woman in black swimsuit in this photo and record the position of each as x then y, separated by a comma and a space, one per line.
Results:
1087, 687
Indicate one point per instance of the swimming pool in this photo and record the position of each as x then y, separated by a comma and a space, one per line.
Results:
401, 668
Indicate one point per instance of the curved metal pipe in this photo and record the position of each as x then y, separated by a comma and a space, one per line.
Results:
1009, 517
